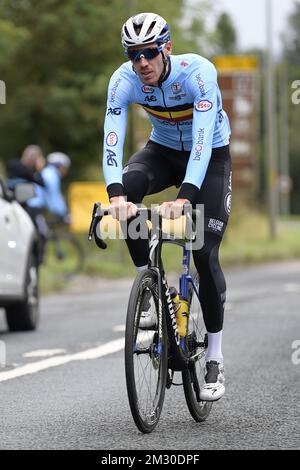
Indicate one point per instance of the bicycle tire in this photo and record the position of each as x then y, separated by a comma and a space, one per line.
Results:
145, 398
193, 375
68, 254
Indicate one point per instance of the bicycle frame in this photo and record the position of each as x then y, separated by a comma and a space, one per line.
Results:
178, 361
177, 346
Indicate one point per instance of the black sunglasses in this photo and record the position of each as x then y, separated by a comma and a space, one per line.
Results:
147, 53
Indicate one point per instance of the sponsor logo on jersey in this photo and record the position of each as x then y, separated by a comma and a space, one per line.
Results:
114, 111
227, 203
111, 139
111, 161
150, 98
216, 225
203, 106
168, 123
114, 90
199, 144
183, 63
220, 116
147, 89
200, 84
176, 87
177, 97
230, 182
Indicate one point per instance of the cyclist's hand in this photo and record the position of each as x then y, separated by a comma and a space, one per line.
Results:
172, 209
121, 209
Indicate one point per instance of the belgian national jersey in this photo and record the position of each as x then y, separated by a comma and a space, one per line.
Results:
185, 111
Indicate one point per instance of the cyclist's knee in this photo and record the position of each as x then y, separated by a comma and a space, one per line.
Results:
135, 185
208, 257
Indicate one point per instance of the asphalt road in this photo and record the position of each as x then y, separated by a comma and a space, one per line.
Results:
70, 393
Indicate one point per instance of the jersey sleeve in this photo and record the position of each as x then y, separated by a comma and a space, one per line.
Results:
203, 87
118, 98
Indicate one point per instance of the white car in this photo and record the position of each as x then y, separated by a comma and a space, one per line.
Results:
19, 294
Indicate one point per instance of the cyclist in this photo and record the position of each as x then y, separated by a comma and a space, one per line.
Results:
50, 197
188, 147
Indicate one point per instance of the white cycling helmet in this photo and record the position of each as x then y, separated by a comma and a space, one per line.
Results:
59, 159
144, 28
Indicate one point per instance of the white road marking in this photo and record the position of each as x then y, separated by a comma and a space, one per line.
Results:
292, 287
94, 353
44, 352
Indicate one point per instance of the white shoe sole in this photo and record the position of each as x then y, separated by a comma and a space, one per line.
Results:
212, 393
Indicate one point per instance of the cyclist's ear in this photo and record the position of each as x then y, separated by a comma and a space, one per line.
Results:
168, 48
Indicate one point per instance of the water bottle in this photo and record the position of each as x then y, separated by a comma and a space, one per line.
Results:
181, 310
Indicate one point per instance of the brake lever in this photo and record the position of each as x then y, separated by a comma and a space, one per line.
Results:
96, 219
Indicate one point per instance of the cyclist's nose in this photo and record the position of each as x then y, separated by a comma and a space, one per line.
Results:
143, 62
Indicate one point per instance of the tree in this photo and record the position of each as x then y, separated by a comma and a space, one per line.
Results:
291, 38
225, 34
56, 59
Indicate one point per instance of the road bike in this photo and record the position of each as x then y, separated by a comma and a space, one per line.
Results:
154, 352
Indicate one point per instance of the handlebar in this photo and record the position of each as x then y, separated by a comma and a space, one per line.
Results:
98, 213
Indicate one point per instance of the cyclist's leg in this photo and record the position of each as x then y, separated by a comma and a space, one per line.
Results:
215, 194
147, 172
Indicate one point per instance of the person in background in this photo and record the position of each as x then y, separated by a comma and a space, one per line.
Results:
27, 168
51, 197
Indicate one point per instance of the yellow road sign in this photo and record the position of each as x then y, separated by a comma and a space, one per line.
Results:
82, 196
236, 63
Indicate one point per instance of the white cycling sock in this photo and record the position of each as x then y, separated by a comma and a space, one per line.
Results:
141, 268
214, 350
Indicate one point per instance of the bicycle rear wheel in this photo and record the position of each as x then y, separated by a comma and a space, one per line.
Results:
194, 376
145, 352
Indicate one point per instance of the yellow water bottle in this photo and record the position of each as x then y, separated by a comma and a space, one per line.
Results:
181, 311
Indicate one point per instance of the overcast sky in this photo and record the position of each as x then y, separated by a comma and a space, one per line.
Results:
249, 17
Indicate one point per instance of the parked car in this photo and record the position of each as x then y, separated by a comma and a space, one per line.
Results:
19, 293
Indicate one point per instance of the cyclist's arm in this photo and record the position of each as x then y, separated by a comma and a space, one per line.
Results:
204, 118
114, 132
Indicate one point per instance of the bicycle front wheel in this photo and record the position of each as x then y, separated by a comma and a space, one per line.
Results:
194, 376
145, 352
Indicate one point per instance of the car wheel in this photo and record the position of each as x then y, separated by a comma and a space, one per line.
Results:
24, 316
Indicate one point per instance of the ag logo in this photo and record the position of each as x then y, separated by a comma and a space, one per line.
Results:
112, 139
114, 111
150, 98
203, 106
111, 161
227, 203
147, 89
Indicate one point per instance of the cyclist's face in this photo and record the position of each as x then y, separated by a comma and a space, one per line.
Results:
149, 70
